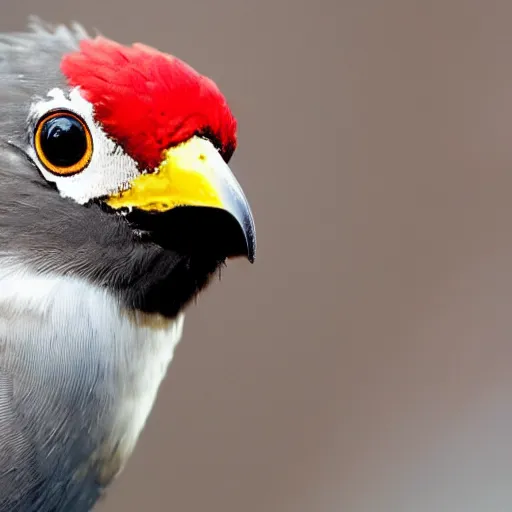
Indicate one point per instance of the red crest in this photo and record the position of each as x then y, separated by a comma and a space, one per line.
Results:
148, 101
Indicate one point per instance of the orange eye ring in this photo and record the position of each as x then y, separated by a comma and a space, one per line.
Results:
63, 143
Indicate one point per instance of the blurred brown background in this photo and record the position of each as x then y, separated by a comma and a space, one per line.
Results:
363, 364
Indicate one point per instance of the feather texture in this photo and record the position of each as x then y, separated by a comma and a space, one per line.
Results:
78, 377
29, 68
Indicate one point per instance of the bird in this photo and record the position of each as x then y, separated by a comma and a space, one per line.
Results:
118, 207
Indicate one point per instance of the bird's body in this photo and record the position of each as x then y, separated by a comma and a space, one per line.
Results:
116, 209
91, 370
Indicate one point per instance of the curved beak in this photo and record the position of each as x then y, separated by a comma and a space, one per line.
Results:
193, 174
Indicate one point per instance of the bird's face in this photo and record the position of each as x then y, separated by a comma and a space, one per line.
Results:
114, 168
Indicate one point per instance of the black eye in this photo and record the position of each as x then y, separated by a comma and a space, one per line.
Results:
63, 143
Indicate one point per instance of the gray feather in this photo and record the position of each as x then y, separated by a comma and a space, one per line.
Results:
29, 68
47, 439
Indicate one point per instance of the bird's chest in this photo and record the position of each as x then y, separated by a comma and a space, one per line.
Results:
145, 352
87, 371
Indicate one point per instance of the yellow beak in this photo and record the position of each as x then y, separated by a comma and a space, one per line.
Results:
192, 174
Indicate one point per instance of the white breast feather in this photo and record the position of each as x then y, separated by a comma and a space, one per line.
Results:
136, 348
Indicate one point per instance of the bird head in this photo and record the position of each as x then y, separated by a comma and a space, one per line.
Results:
114, 167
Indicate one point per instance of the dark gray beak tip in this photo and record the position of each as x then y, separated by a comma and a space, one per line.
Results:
251, 254
250, 235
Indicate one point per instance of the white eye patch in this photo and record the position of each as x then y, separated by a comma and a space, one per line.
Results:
109, 170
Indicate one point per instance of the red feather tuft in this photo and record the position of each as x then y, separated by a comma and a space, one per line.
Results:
148, 101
